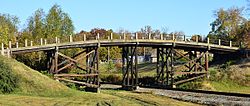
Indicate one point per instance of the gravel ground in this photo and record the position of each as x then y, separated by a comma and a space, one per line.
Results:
207, 99
201, 98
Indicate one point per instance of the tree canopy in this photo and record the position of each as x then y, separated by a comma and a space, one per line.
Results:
228, 24
8, 28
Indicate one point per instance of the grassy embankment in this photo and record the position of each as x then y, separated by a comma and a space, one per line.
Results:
231, 78
33, 88
228, 77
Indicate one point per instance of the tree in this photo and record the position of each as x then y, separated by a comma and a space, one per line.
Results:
58, 23
8, 28
196, 37
67, 25
227, 24
36, 24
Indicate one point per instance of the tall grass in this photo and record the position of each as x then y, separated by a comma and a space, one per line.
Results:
8, 79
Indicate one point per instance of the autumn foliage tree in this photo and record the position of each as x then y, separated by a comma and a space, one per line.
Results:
8, 28
228, 25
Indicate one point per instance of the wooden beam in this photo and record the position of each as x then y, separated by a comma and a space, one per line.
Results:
184, 55
74, 61
191, 61
74, 57
78, 82
181, 73
67, 57
75, 75
190, 79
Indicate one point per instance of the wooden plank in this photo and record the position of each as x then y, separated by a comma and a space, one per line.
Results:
190, 79
74, 57
67, 57
71, 63
122, 42
184, 55
190, 62
78, 82
181, 73
75, 75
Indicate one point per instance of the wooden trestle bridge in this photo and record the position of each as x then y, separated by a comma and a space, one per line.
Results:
170, 72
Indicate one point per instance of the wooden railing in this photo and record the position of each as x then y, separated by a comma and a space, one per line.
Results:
6, 49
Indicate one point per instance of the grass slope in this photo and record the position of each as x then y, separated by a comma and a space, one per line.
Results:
106, 98
37, 89
31, 82
234, 78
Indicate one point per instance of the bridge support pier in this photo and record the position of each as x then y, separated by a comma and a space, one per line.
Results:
177, 66
129, 67
86, 62
164, 70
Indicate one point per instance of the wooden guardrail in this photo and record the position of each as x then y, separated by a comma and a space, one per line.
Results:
6, 49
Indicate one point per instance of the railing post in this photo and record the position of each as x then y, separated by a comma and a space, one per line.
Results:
219, 42
208, 40
45, 41
9, 44
84, 37
111, 36
161, 36
98, 36
26, 43
173, 37
41, 41
17, 46
31, 43
2, 49
124, 36
196, 39
184, 38
136, 36
56, 39
149, 36
208, 43
8, 52
70, 38
230, 43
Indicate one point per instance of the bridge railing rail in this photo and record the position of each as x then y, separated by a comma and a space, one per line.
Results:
114, 36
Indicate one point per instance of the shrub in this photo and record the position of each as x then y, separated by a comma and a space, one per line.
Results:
191, 85
8, 80
113, 78
118, 65
110, 66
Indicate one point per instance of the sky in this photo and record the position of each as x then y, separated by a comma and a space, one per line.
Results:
189, 16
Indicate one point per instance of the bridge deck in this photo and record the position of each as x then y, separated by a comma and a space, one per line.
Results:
121, 42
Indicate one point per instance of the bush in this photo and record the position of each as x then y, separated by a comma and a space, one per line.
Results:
230, 73
113, 78
8, 80
191, 85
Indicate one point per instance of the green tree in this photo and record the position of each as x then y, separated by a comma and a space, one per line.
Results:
36, 24
227, 24
58, 23
8, 28
67, 27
